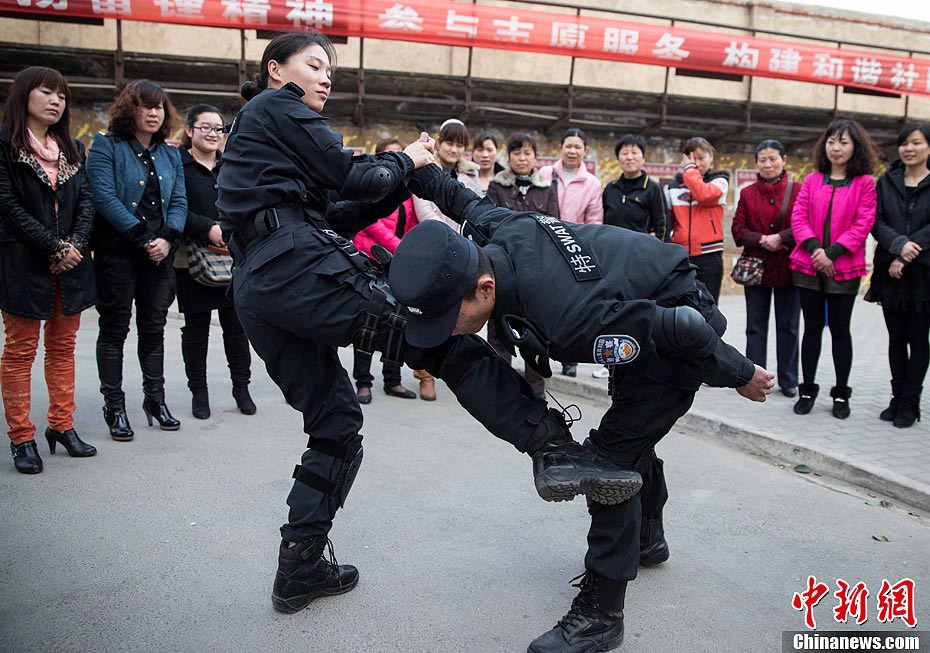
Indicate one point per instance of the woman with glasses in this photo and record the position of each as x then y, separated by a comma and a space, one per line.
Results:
200, 153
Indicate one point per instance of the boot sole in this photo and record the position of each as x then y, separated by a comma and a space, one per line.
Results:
596, 647
606, 492
655, 559
298, 603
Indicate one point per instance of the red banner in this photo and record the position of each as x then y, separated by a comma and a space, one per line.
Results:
517, 28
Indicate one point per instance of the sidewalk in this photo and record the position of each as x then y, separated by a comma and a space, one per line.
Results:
861, 450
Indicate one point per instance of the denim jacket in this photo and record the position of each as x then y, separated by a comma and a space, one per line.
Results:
118, 181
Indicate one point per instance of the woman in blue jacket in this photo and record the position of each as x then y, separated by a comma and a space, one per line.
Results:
138, 186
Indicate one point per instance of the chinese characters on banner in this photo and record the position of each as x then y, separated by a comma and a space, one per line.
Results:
892, 602
516, 28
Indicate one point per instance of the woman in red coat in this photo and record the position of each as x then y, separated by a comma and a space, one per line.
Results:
762, 225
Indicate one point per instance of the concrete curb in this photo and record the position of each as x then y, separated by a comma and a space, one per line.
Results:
761, 443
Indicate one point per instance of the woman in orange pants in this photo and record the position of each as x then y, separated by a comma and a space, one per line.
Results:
46, 215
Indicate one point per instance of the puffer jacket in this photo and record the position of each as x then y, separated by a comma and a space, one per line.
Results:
31, 231
541, 196
467, 174
388, 231
579, 199
851, 219
696, 205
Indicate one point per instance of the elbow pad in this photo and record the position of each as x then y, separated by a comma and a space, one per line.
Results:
368, 182
681, 331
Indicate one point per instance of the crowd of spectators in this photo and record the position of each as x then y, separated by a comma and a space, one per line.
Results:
132, 224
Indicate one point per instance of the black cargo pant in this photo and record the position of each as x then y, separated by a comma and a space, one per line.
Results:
642, 412
299, 298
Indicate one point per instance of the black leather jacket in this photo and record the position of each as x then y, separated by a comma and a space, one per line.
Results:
31, 232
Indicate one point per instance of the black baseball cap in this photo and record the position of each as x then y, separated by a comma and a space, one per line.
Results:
431, 272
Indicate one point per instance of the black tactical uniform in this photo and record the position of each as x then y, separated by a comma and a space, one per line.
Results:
644, 314
301, 290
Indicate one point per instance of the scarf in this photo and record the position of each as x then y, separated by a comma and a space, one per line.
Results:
47, 155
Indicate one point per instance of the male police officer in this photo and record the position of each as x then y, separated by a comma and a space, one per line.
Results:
301, 290
579, 293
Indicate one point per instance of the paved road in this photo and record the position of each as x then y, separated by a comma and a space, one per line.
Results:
168, 543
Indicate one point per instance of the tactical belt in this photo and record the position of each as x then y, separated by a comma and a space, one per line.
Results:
270, 220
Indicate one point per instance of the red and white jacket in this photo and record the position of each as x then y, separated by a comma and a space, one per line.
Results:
696, 207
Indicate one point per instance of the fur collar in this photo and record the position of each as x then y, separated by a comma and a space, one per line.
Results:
506, 178
65, 170
466, 167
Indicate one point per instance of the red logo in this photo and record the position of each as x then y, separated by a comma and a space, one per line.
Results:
894, 601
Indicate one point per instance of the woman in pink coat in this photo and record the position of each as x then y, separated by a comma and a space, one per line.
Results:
831, 220
579, 192
386, 232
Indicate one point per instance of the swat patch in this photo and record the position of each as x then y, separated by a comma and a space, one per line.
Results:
615, 349
576, 254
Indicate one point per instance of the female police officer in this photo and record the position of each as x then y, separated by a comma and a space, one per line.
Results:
301, 290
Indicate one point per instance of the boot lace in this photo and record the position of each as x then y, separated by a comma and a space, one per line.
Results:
568, 413
582, 605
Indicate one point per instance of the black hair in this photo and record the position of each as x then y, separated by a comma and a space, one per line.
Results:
909, 129
577, 133
453, 131
280, 49
771, 144
864, 158
485, 136
484, 267
16, 114
518, 140
192, 115
388, 142
630, 139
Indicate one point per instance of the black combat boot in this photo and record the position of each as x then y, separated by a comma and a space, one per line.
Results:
563, 469
909, 406
841, 394
594, 622
805, 402
889, 413
304, 574
653, 549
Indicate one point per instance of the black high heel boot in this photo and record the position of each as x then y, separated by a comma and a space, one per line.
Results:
155, 408
118, 421
26, 457
69, 439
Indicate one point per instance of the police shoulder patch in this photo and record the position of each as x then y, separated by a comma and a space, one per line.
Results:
615, 349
